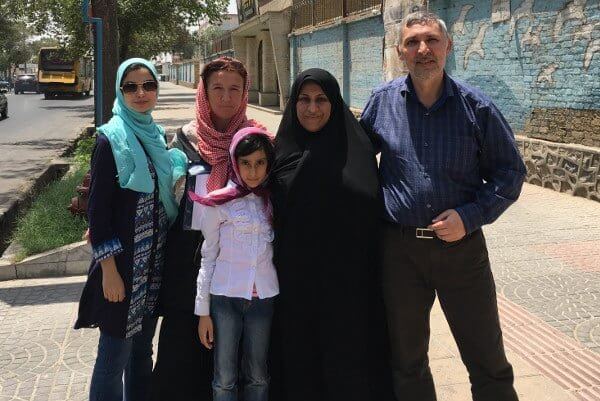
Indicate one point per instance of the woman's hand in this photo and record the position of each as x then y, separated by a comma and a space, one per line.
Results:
112, 283
205, 331
86, 236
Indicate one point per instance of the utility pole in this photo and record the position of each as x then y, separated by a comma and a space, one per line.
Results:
97, 30
106, 53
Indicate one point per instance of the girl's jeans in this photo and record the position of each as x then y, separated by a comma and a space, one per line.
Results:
124, 366
232, 317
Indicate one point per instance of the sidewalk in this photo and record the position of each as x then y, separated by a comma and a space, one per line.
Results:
545, 253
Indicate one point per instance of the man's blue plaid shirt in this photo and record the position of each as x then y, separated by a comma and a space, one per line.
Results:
459, 154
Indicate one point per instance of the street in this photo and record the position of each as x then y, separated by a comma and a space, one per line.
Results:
35, 132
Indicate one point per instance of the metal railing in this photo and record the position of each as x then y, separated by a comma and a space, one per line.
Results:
315, 12
327, 10
302, 13
355, 6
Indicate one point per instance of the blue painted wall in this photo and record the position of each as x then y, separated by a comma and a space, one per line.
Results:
530, 61
351, 52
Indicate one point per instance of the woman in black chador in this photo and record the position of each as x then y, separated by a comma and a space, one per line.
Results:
329, 335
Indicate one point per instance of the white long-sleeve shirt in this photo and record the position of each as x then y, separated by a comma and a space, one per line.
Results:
237, 252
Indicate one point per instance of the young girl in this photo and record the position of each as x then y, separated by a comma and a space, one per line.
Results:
130, 208
237, 281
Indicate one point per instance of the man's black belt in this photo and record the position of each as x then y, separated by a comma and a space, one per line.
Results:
416, 232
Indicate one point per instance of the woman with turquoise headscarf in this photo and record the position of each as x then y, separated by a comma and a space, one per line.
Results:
130, 209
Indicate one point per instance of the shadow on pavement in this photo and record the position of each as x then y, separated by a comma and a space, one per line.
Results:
41, 294
69, 97
188, 100
46, 144
167, 107
173, 122
167, 93
86, 107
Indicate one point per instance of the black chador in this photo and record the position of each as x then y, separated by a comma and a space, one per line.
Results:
329, 337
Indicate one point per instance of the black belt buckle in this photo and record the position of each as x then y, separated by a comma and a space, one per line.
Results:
424, 233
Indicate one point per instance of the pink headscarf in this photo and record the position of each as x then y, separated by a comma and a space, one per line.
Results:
223, 195
214, 145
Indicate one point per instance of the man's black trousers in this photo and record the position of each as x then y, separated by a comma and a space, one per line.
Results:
414, 270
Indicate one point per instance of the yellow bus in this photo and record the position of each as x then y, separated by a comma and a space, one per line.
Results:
57, 74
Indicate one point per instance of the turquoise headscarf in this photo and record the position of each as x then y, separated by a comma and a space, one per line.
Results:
126, 130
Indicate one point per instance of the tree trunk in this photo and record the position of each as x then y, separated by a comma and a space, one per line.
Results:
124, 43
107, 10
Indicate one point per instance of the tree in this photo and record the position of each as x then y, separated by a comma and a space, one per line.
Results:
14, 49
206, 37
140, 28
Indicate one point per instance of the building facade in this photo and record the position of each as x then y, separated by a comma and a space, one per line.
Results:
261, 43
344, 37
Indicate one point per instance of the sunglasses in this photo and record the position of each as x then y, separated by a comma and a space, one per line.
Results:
147, 86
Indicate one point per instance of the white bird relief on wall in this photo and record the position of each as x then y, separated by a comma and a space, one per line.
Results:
459, 25
545, 74
586, 31
593, 47
525, 10
572, 10
532, 37
476, 47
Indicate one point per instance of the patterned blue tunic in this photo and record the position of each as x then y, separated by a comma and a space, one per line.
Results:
132, 227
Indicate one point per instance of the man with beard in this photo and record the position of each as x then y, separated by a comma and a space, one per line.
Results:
449, 165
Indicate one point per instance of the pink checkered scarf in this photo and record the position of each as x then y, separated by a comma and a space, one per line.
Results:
214, 145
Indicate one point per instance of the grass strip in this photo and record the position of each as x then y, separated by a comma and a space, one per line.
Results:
48, 224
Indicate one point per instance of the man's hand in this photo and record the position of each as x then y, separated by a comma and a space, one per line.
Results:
112, 283
205, 331
448, 226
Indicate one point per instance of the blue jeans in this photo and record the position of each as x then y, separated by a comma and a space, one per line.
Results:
124, 366
233, 317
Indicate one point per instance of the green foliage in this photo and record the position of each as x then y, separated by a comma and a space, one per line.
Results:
146, 27
13, 46
83, 152
206, 37
48, 224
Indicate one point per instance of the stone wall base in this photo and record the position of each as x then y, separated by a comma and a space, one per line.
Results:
268, 99
253, 96
569, 168
191, 85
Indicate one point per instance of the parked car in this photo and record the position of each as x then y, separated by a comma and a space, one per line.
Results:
3, 105
4, 85
26, 83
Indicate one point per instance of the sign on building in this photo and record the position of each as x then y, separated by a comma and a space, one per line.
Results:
246, 9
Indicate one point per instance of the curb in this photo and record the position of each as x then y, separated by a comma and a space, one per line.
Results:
270, 110
69, 260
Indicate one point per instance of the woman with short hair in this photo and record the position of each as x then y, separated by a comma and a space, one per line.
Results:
183, 368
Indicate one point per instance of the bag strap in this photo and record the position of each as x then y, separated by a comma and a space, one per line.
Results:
188, 149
